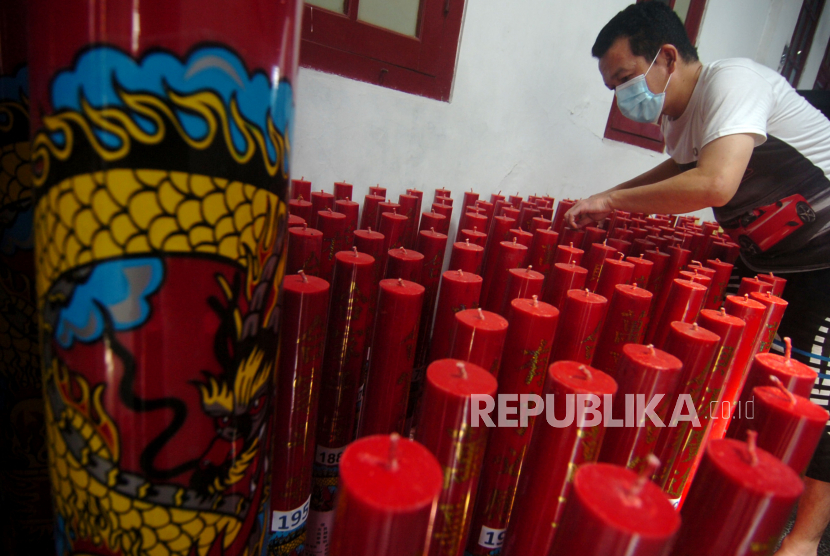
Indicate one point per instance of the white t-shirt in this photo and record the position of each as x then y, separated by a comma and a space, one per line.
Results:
781, 212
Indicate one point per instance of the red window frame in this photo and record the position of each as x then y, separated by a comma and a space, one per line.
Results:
795, 56
422, 65
649, 136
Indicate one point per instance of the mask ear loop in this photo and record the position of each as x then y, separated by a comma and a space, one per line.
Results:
649, 69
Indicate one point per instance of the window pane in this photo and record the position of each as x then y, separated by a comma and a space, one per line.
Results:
398, 15
333, 5
681, 7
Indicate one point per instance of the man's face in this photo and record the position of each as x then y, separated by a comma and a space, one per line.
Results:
619, 64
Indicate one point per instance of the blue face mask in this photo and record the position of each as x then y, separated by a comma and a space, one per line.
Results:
636, 101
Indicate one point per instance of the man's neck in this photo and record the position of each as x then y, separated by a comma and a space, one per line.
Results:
683, 84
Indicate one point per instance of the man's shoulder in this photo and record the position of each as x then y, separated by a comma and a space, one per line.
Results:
729, 69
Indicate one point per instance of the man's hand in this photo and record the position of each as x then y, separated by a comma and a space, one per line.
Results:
590, 210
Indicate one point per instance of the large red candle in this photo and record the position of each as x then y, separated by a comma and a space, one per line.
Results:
459, 291
295, 221
393, 228
333, 226
473, 221
444, 209
684, 302
568, 254
342, 191
678, 258
749, 285
507, 255
642, 270
387, 206
614, 272
680, 443
305, 247
305, 302
723, 271
466, 256
474, 236
300, 188
543, 249
554, 454
539, 223
478, 337
370, 211
389, 487
730, 329
410, 207
433, 221
594, 262
445, 430
775, 307
739, 502
371, 243
562, 279
559, 218
570, 235
788, 426
620, 245
658, 271
404, 263
624, 324
393, 354
796, 377
351, 210
522, 283
522, 237
377, 190
527, 349
778, 283
582, 315
593, 235
320, 200
641, 245
613, 511
642, 371
301, 207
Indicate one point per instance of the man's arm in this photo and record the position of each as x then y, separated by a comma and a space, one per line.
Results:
663, 171
712, 183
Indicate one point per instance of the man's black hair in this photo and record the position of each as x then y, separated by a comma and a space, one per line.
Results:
648, 26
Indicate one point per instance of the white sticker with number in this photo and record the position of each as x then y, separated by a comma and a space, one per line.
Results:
287, 522
491, 538
329, 456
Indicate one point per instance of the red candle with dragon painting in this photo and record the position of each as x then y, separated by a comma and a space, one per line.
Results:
459, 291
305, 301
542, 249
445, 430
614, 272
523, 283
624, 324
583, 312
333, 226
305, 247
796, 377
775, 307
527, 349
478, 337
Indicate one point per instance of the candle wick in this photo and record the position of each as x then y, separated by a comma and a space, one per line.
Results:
635, 284
633, 495
694, 325
650, 348
722, 312
305, 278
432, 230
480, 314
535, 301
605, 242
462, 370
468, 241
300, 198
392, 463
400, 281
572, 245
746, 296
369, 228
777, 381
514, 240
394, 211
305, 226
587, 372
460, 272
354, 250
475, 229
529, 268
752, 447
717, 260
788, 350
403, 250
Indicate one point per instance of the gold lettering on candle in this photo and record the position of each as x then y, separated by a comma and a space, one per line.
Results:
537, 359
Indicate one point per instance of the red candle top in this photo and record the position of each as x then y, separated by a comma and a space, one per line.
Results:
777, 282
749, 285
568, 254
479, 338
300, 188
294, 220
797, 377
377, 190
404, 263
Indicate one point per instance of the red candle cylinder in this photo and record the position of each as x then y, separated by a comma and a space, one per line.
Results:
605, 515
775, 307
433, 221
445, 209
593, 235
555, 451
570, 235
778, 283
300, 207
749, 285
393, 228
788, 426
648, 372
515, 200
679, 444
305, 247
474, 236
459, 291
295, 221
386, 206
507, 255
526, 215
796, 377
622, 233
719, 283
738, 504
404, 263
333, 226
499, 231
559, 218
496, 197
393, 354
510, 212
443, 193
522, 283
445, 430
698, 278
472, 221
620, 245
642, 270
640, 245
342, 191
470, 197
351, 210
389, 487
466, 256
300, 188
595, 261
522, 237
658, 271
568, 254
371, 243
410, 207
478, 337
539, 223
370, 213
614, 272
684, 302
488, 209
624, 324
416, 216
678, 258
583, 312
377, 190
662, 243
543, 249
730, 329
522, 376
320, 200
304, 309
562, 279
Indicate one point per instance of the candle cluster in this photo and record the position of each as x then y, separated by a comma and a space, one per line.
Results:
385, 362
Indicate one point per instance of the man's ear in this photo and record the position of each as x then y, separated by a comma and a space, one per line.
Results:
671, 55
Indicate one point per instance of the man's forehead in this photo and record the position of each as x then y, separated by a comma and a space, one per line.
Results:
616, 61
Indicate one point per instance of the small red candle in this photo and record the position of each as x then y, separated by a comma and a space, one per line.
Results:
377, 190
620, 245
559, 218
342, 191
404, 263
570, 235
778, 283
304, 309
370, 211
333, 226
775, 307
582, 315
788, 426
443, 194
386, 206
642, 270
522, 283
543, 249
478, 337
441, 208
553, 455
562, 279
393, 228
684, 302
506, 256
624, 324
305, 247
527, 348
433, 221
499, 231
474, 236
445, 430
510, 212
295, 221
300, 188
640, 246
466, 256
320, 200
679, 444
371, 243
593, 235
612, 510
594, 262
796, 377
515, 200
459, 291
393, 354
300, 207
568, 254
614, 272
749, 285
410, 207
739, 503
522, 237
540, 223
351, 210
723, 271
389, 487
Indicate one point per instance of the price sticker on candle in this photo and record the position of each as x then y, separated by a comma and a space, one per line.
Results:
330, 457
285, 523
491, 538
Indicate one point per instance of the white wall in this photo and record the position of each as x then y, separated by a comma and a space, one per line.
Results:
820, 39
527, 114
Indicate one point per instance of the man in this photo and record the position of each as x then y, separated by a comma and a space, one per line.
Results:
742, 141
